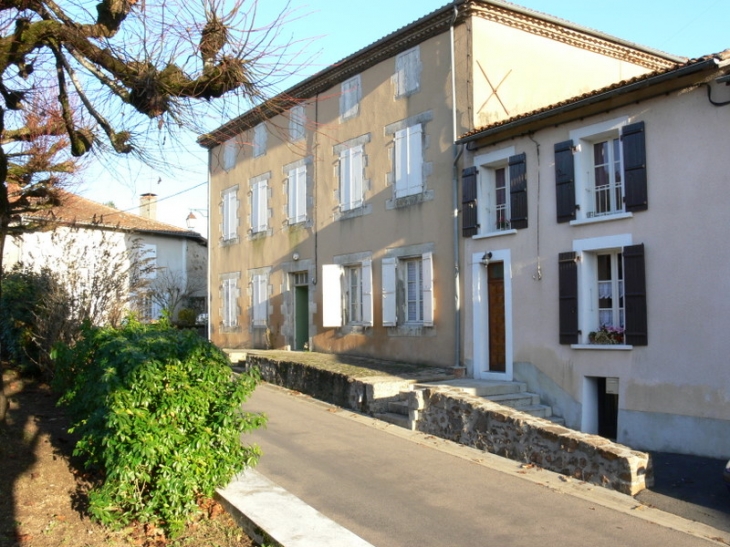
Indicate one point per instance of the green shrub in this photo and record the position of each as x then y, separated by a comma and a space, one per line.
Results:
159, 414
186, 317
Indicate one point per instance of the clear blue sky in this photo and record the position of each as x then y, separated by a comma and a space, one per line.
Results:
680, 27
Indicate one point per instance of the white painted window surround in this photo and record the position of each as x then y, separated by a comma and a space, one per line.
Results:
491, 208
334, 292
588, 286
585, 139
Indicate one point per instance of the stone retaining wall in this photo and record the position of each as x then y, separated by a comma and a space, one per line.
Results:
473, 421
369, 395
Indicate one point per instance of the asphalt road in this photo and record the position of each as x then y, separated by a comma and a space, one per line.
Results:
396, 488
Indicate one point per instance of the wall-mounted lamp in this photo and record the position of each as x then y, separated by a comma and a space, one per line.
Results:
485, 259
295, 257
576, 149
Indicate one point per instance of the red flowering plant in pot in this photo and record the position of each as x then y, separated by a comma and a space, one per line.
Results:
607, 335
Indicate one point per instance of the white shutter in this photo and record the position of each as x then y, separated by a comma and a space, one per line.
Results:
292, 196
332, 295
225, 303
389, 297
415, 159
259, 299
350, 97
230, 148
356, 168
148, 261
301, 197
367, 292
229, 214
427, 263
259, 140
345, 190
259, 211
401, 163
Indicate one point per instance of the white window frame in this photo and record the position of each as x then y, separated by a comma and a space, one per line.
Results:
297, 195
408, 159
335, 299
229, 213
350, 97
395, 268
259, 140
408, 72
583, 140
297, 123
229, 298
259, 300
259, 206
486, 190
230, 154
351, 169
587, 252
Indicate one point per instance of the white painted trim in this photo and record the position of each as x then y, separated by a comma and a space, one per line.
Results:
480, 316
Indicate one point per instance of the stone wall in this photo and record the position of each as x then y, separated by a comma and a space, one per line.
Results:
369, 395
473, 421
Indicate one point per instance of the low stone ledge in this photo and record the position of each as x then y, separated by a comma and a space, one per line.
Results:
473, 421
369, 395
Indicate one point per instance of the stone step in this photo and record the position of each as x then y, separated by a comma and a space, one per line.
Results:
393, 418
539, 411
398, 407
482, 388
516, 400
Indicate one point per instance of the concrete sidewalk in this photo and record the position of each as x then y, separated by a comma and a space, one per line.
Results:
392, 487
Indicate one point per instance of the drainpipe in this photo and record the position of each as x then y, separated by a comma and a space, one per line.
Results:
455, 199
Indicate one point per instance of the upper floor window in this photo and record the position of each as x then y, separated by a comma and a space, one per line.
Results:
297, 194
229, 213
351, 178
350, 95
601, 171
259, 206
408, 161
494, 193
408, 72
259, 140
297, 123
230, 152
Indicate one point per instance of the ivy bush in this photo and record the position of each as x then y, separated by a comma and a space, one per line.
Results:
159, 414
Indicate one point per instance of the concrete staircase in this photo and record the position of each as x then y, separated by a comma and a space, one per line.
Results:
511, 394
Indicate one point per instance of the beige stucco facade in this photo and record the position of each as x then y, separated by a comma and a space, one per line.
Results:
397, 246
672, 389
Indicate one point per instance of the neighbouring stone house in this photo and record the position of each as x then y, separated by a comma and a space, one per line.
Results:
87, 237
334, 205
603, 286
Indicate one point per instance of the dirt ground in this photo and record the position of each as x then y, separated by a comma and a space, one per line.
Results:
43, 489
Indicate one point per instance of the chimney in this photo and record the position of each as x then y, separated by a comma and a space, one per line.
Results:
148, 206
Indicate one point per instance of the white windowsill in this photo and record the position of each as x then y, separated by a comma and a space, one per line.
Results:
495, 234
603, 347
602, 218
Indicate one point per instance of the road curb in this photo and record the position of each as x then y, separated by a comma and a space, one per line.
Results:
276, 518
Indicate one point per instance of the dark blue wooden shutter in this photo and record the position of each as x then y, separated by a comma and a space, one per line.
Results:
633, 142
568, 298
635, 296
565, 181
518, 191
469, 217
